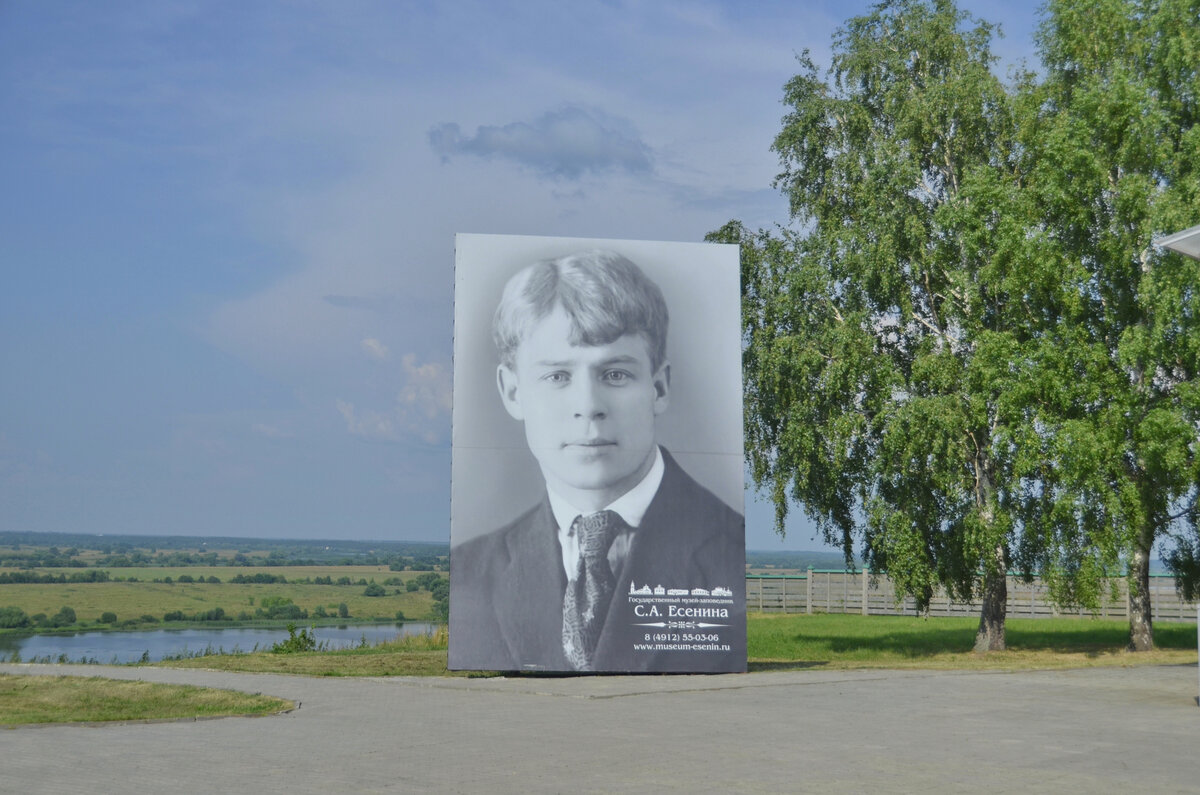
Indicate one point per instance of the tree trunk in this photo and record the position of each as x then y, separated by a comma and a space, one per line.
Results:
991, 636
1141, 629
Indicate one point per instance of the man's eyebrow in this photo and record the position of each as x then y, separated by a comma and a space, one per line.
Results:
624, 358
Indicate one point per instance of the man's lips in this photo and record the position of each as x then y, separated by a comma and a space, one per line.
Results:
589, 443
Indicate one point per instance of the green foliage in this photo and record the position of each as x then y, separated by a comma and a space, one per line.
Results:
375, 589
34, 578
967, 355
279, 607
108, 617
343, 610
879, 337
1116, 151
304, 640
65, 617
13, 618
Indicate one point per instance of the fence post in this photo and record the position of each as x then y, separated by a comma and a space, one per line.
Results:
865, 611
783, 581
808, 595
760, 590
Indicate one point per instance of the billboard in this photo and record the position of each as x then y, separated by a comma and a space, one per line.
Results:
597, 492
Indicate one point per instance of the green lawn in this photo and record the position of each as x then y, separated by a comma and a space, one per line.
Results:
788, 642
63, 699
852, 641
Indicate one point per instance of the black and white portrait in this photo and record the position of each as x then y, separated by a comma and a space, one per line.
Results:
596, 507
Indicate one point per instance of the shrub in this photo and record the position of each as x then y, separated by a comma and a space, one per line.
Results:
13, 618
64, 617
304, 640
108, 617
343, 611
375, 589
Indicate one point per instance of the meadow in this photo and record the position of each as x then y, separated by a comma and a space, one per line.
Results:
133, 592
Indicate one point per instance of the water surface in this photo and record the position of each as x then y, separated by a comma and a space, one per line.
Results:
159, 644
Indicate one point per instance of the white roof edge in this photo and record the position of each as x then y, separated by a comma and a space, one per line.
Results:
1186, 242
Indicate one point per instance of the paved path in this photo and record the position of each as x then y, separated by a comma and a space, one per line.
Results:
1097, 730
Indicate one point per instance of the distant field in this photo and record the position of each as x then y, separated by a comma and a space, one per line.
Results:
130, 600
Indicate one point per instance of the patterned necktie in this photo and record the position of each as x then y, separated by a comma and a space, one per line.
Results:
585, 604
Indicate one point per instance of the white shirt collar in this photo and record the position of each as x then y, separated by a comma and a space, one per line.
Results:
631, 506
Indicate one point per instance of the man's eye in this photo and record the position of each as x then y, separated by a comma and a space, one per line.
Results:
616, 376
556, 377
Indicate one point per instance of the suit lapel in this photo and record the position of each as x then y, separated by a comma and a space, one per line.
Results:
656, 557
529, 596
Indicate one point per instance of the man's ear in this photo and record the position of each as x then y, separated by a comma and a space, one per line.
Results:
506, 382
662, 388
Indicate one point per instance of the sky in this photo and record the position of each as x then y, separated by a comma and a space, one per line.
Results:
227, 230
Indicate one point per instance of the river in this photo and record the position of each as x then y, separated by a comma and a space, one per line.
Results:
155, 645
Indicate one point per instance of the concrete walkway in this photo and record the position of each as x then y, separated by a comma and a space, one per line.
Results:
1095, 730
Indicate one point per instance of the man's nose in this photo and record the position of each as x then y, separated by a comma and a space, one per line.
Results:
589, 400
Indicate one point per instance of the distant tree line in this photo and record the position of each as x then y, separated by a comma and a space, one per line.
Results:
33, 578
60, 550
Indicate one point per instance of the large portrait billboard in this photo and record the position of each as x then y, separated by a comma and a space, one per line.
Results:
597, 493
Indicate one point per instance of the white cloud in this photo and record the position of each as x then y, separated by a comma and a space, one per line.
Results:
271, 431
375, 349
421, 409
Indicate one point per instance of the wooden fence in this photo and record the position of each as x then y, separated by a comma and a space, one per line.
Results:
837, 591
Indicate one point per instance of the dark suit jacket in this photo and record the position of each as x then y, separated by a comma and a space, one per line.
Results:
507, 587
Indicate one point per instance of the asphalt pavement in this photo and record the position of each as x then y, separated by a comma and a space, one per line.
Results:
1085, 730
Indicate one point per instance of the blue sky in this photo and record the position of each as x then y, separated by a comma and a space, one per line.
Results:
227, 230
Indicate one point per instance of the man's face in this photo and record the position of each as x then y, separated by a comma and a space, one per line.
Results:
588, 410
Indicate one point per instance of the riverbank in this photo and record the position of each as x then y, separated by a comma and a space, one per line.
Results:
177, 643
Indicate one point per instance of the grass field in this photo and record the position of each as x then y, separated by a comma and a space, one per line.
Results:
794, 642
780, 642
415, 655
60, 699
129, 600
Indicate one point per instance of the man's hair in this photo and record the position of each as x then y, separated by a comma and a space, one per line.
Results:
604, 294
